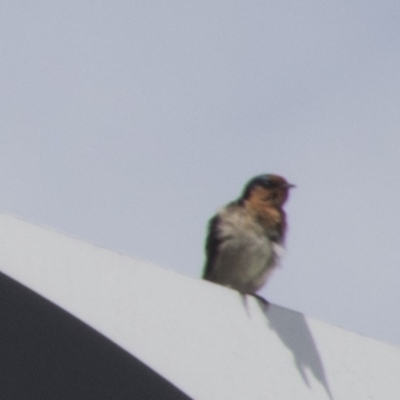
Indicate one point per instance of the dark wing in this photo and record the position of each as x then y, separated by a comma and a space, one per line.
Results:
212, 244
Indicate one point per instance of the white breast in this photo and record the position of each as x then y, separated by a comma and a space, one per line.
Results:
246, 255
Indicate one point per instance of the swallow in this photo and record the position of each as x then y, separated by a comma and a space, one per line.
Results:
246, 237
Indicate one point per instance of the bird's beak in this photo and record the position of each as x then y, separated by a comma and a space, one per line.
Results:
290, 186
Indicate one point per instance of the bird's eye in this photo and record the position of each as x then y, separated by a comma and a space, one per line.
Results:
271, 197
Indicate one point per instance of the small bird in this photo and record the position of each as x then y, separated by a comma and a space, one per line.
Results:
245, 238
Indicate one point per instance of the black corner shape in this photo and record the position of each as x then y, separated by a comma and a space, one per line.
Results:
47, 354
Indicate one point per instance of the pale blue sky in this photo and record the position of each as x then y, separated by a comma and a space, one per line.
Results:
129, 123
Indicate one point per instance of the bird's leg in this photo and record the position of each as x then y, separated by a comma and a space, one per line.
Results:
264, 302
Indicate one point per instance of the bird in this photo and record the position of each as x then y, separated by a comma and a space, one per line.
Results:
245, 238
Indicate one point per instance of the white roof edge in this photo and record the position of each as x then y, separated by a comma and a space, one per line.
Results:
202, 337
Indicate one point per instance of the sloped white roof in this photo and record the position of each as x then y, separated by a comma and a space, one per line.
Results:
206, 339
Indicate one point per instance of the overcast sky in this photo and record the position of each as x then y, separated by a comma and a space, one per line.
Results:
129, 123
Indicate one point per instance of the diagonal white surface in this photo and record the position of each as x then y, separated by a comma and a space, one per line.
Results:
200, 336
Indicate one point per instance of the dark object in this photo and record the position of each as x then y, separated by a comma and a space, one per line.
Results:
47, 354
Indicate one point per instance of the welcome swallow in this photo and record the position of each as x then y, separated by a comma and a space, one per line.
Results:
245, 238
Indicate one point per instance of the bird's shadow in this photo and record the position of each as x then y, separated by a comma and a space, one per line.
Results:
291, 327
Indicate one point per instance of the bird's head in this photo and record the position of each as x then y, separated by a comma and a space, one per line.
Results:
272, 190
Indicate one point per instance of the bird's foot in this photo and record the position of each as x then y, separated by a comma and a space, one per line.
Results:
264, 302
